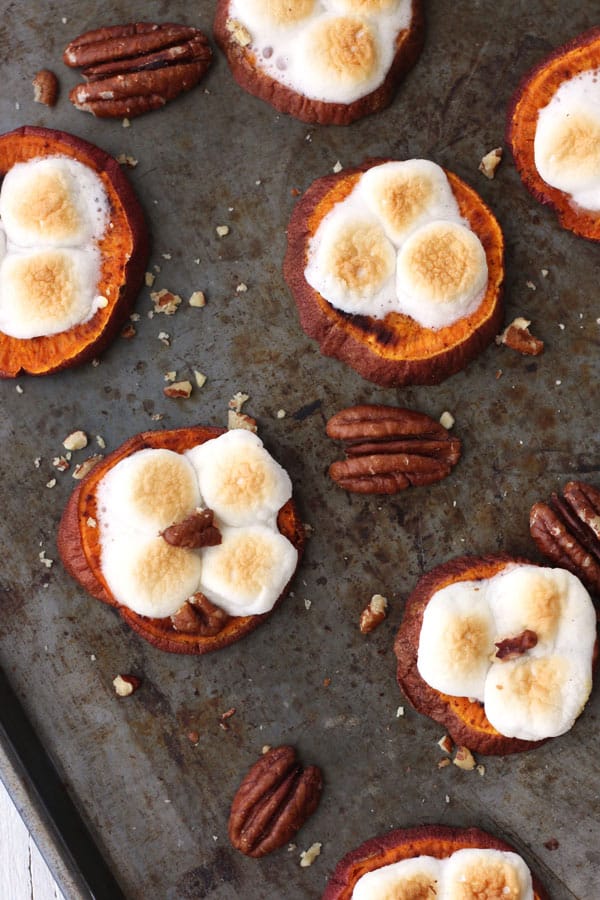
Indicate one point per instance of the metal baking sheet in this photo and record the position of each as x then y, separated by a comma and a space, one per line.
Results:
155, 805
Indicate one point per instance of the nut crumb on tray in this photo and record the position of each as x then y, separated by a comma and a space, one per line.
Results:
464, 759
165, 302
45, 87
179, 389
77, 440
373, 614
307, 857
125, 685
490, 162
518, 337
84, 468
197, 299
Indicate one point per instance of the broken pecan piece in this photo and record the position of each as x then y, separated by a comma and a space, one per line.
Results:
567, 531
273, 802
132, 69
389, 449
518, 337
199, 616
511, 648
197, 530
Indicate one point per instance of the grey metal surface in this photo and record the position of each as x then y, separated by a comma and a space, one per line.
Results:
156, 804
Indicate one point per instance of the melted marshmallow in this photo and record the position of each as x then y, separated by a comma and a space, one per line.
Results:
335, 51
567, 140
397, 243
53, 212
538, 694
152, 489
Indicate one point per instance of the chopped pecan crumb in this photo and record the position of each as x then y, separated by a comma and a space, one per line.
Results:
240, 420
307, 857
551, 844
84, 468
446, 743
374, 614
200, 377
222, 230
464, 759
61, 463
178, 389
165, 302
518, 337
447, 420
197, 299
511, 648
128, 332
45, 87
77, 440
239, 33
124, 160
149, 279
125, 685
490, 162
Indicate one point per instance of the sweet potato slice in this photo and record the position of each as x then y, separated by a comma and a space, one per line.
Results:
438, 841
464, 719
79, 547
250, 77
534, 93
395, 350
124, 250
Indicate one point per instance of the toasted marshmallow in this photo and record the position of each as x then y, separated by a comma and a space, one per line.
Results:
535, 698
276, 14
364, 7
442, 273
404, 880
51, 202
406, 195
537, 694
457, 639
472, 873
341, 51
567, 140
335, 51
239, 479
150, 490
248, 571
352, 263
44, 292
148, 575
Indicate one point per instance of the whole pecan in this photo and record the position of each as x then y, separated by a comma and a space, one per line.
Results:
132, 69
199, 616
197, 530
273, 802
389, 449
567, 531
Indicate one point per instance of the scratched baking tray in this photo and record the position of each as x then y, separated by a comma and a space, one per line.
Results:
154, 806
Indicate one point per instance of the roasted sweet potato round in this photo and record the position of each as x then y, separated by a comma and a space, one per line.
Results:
123, 247
248, 74
395, 350
535, 91
80, 550
438, 841
464, 719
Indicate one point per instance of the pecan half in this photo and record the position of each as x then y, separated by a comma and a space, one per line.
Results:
389, 449
511, 648
199, 616
273, 802
198, 530
132, 69
567, 531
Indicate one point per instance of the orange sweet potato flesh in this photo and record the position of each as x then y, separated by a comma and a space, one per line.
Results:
250, 77
124, 252
438, 841
464, 719
79, 546
396, 350
534, 93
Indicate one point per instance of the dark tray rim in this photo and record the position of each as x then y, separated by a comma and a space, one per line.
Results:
49, 813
